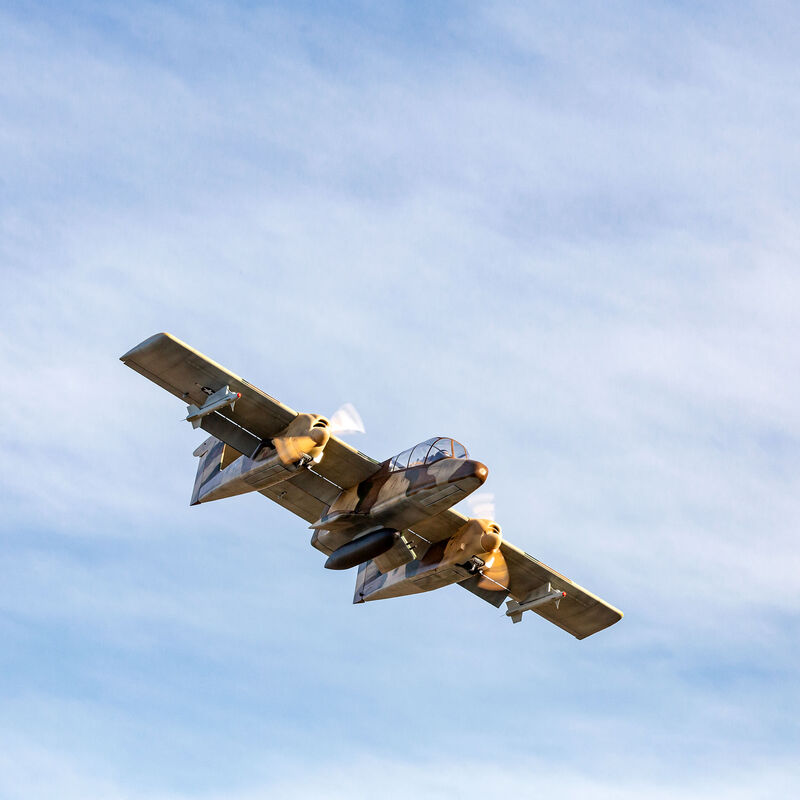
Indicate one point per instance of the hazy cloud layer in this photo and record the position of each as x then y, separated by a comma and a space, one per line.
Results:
566, 237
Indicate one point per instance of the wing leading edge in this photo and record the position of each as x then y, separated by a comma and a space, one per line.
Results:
580, 612
192, 377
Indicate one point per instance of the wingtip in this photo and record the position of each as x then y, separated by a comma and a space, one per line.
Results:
151, 341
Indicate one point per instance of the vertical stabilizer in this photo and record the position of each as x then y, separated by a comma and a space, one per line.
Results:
210, 454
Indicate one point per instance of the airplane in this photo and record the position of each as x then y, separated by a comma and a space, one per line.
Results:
393, 520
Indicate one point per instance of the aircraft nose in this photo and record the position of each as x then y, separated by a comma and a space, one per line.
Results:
471, 471
468, 474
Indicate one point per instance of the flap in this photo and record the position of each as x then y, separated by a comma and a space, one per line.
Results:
442, 526
306, 494
491, 596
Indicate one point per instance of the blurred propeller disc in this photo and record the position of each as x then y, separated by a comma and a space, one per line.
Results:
495, 571
482, 505
346, 420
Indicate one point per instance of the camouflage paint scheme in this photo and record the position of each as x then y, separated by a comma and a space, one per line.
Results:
259, 444
396, 499
224, 472
442, 563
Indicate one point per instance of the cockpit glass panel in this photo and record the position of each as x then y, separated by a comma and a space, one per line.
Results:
441, 448
459, 451
400, 461
419, 453
428, 452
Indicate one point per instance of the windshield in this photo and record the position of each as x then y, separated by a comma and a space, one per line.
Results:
427, 452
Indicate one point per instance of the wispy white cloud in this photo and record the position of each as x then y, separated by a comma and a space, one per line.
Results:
30, 772
565, 237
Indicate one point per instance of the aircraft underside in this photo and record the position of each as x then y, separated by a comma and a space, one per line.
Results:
393, 519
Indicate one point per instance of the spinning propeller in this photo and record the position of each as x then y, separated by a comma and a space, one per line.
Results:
494, 574
346, 419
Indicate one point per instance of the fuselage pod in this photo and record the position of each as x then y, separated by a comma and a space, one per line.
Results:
405, 491
443, 563
366, 547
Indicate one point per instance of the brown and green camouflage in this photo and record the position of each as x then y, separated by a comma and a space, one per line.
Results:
356, 506
397, 499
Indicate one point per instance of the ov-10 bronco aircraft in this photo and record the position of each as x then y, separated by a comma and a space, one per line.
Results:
393, 520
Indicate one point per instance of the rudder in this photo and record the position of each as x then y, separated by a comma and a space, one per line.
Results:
210, 453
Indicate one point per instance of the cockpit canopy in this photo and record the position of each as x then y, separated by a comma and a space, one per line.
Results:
427, 452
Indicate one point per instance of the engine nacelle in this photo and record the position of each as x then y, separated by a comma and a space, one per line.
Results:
225, 472
304, 437
478, 537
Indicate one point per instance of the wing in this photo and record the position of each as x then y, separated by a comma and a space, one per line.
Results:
306, 494
344, 465
191, 376
580, 613
442, 526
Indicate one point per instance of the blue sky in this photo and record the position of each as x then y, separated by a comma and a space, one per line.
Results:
565, 236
